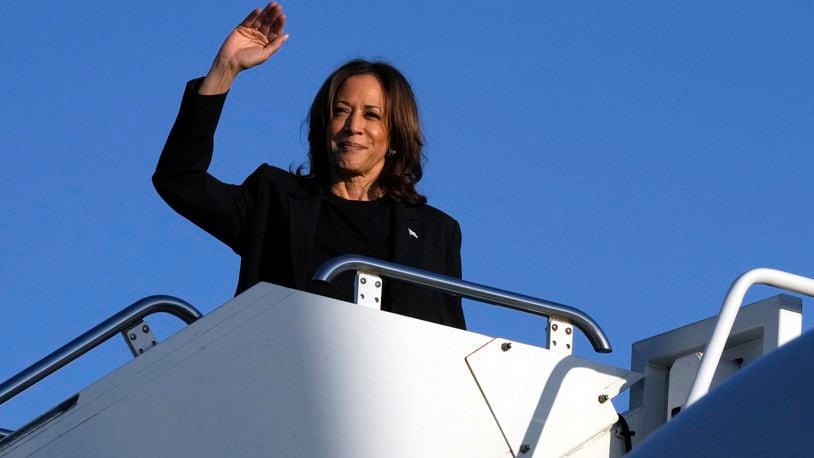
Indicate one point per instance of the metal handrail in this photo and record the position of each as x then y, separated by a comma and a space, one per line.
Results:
469, 290
95, 336
726, 319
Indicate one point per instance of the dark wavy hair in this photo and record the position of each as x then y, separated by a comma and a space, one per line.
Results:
403, 169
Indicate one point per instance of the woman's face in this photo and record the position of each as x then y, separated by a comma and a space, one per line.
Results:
357, 134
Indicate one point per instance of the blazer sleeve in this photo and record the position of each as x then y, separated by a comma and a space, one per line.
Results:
453, 311
181, 176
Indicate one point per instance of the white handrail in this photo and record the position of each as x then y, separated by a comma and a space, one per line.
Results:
95, 336
726, 319
351, 262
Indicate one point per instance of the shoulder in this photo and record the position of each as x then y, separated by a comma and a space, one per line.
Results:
271, 173
266, 176
432, 215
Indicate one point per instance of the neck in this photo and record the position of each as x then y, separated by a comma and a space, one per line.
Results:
356, 188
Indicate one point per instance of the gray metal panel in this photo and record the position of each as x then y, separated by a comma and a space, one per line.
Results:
755, 333
763, 411
277, 372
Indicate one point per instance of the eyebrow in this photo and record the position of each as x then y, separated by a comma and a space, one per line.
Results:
366, 106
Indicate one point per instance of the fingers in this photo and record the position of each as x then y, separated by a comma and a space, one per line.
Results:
273, 30
274, 45
267, 17
250, 18
258, 20
277, 27
271, 11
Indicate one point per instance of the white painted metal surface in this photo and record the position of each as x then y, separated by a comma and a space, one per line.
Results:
278, 372
729, 311
368, 290
682, 374
139, 338
548, 403
560, 336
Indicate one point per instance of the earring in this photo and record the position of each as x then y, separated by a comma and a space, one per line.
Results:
391, 153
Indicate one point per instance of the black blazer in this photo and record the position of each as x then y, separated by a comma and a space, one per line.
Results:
270, 219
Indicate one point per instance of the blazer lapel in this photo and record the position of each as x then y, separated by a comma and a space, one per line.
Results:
406, 235
303, 214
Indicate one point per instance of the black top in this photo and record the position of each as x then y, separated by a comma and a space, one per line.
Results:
270, 220
348, 226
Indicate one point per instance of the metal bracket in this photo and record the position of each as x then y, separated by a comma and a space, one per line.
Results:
368, 290
560, 336
139, 338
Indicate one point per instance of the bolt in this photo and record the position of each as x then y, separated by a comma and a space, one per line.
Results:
378, 284
525, 448
145, 328
363, 280
133, 336
506, 346
603, 398
568, 331
554, 327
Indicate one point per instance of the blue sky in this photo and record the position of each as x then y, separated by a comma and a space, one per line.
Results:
629, 158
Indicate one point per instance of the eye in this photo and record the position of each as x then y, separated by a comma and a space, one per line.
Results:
372, 115
341, 110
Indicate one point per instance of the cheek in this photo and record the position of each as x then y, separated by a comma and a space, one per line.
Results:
333, 129
381, 136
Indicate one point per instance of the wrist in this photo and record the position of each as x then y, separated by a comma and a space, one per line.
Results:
220, 77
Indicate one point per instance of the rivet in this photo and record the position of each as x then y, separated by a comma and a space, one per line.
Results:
525, 448
363, 280
506, 346
362, 296
145, 328
554, 343
378, 284
603, 398
568, 346
377, 300
568, 331
133, 336
554, 327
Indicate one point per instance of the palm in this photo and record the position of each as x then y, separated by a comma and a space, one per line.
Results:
255, 39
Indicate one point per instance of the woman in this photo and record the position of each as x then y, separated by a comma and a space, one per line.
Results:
359, 196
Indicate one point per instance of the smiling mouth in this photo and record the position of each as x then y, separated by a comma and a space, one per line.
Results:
350, 146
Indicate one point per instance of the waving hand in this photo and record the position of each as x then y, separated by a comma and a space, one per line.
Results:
251, 43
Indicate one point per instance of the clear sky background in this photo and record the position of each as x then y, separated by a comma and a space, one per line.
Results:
627, 158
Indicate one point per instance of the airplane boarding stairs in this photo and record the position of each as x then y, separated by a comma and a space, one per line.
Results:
279, 372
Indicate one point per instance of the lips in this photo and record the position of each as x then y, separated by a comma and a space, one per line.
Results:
351, 146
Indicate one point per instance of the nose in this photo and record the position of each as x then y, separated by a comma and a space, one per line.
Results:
355, 122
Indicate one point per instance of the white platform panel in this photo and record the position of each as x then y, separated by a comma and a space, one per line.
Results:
549, 404
277, 372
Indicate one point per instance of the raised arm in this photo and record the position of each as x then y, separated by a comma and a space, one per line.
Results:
181, 176
251, 43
